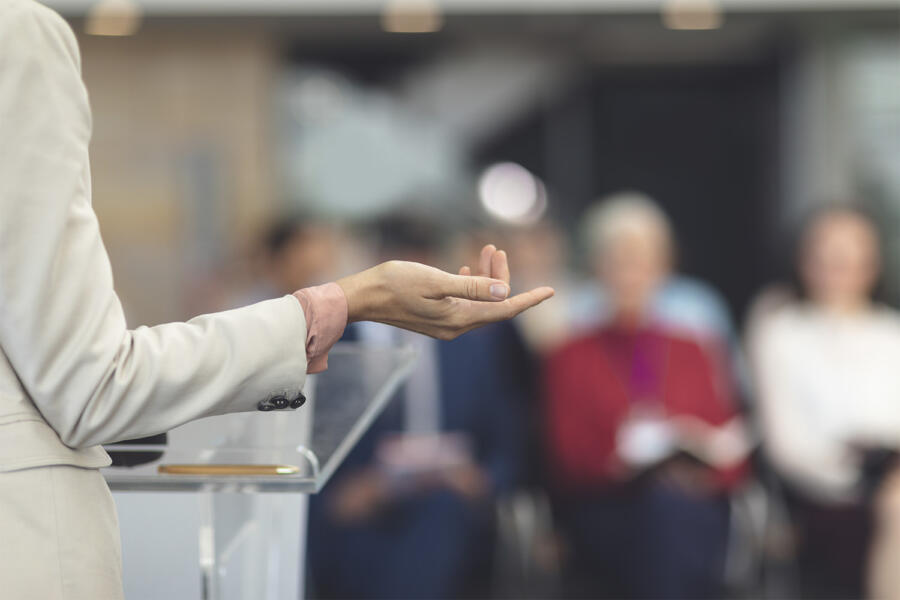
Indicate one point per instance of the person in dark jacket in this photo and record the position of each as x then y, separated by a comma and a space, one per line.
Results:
410, 514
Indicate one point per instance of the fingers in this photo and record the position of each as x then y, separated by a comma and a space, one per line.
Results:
477, 314
500, 266
493, 263
526, 300
488, 313
465, 316
433, 302
473, 288
484, 263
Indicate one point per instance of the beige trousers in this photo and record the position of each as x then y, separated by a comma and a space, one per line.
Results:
59, 536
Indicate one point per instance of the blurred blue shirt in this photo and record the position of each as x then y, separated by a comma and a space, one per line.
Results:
684, 303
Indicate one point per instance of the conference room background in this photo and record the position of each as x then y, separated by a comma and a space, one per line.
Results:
492, 120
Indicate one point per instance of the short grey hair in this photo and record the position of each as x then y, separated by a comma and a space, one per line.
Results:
619, 213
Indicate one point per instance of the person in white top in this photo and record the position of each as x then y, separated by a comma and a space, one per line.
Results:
827, 371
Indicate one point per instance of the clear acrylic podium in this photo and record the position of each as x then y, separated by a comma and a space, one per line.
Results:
221, 514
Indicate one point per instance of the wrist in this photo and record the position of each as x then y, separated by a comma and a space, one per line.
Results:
360, 290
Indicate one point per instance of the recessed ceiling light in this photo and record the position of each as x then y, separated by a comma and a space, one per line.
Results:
412, 16
692, 14
113, 18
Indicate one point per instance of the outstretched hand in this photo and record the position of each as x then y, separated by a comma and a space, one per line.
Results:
429, 301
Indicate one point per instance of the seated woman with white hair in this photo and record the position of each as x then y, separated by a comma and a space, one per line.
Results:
644, 439
681, 302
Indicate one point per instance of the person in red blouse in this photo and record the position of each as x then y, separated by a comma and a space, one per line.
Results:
643, 436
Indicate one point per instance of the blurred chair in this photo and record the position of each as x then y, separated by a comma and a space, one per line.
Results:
529, 552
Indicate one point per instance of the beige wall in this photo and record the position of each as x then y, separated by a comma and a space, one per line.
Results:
181, 159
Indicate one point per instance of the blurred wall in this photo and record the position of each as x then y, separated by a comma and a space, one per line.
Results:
840, 130
186, 116
181, 158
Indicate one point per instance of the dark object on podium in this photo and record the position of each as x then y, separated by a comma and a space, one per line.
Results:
132, 459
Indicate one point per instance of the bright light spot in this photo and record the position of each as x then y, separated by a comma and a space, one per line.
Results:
412, 16
113, 17
692, 14
510, 193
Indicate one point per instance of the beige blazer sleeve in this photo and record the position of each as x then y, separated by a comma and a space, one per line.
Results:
62, 328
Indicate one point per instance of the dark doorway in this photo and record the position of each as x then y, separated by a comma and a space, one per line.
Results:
702, 140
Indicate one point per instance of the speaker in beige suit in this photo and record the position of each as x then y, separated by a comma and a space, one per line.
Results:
72, 375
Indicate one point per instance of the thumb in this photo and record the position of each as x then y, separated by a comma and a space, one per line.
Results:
475, 288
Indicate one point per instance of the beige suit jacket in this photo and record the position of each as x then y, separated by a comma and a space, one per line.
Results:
72, 375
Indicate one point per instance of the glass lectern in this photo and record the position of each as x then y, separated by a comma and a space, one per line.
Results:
220, 512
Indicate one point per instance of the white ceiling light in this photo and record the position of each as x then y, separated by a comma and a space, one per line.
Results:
511, 193
412, 16
114, 18
692, 14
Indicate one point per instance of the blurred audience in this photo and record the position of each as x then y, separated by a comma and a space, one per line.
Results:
826, 362
681, 302
686, 304
410, 514
644, 439
635, 433
296, 252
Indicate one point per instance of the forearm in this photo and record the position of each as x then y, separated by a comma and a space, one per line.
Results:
161, 377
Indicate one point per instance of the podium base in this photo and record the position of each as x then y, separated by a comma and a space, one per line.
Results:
212, 545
